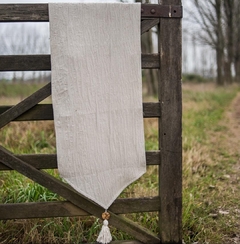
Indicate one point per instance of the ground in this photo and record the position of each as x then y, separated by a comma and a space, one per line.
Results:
211, 175
233, 143
211, 164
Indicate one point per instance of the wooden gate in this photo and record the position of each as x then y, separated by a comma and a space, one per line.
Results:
169, 156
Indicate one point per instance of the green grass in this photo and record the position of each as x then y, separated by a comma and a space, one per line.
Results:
17, 89
15, 188
206, 162
39, 137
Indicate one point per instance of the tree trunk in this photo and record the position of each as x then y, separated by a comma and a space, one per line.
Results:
237, 70
219, 57
229, 14
236, 41
227, 72
220, 44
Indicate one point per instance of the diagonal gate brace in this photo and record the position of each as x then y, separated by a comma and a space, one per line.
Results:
147, 24
64, 190
25, 105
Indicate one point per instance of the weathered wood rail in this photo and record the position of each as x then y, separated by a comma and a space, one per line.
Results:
168, 110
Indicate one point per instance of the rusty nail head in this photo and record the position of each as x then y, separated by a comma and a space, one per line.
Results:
153, 11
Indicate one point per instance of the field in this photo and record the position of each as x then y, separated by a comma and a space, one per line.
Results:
211, 172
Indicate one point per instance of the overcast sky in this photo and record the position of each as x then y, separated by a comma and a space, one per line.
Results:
191, 54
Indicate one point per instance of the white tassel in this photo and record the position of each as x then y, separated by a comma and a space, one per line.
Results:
104, 235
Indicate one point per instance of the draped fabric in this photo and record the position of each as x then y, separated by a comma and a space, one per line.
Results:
97, 96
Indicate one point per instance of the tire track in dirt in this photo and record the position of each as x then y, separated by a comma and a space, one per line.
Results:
233, 125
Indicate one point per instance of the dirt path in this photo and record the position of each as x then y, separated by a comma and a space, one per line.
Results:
232, 142
233, 117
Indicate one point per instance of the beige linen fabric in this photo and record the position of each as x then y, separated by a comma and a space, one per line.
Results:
97, 96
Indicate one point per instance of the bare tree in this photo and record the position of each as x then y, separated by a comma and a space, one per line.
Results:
209, 17
236, 40
219, 20
27, 38
229, 36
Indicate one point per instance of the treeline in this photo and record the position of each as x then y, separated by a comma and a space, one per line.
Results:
23, 39
219, 21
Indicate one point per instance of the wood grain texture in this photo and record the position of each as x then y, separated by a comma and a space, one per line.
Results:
161, 11
57, 186
43, 63
38, 161
170, 131
153, 157
49, 161
40, 210
23, 12
25, 105
67, 209
38, 112
169, 108
150, 61
39, 12
151, 110
132, 205
45, 112
147, 24
25, 62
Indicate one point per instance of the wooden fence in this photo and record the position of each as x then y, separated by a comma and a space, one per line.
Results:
169, 111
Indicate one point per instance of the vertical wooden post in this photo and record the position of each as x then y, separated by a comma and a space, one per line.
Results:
170, 128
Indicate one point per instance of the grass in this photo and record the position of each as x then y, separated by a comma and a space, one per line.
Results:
207, 165
17, 89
